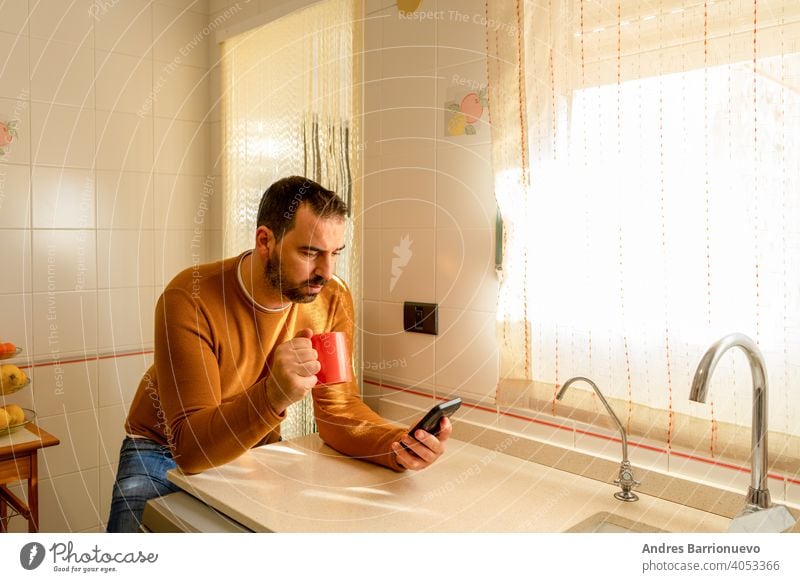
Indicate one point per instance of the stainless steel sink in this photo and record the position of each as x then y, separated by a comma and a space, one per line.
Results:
605, 522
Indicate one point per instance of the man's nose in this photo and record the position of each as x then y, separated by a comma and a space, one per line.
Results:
325, 265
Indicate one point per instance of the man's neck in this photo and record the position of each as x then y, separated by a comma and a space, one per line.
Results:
256, 285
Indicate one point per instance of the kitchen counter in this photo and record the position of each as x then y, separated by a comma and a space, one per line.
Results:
305, 486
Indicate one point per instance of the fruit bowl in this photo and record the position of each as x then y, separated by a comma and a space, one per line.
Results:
9, 355
6, 390
30, 416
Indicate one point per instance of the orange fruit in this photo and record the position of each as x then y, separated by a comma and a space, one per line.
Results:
471, 107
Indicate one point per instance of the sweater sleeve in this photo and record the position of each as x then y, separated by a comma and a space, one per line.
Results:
202, 431
344, 421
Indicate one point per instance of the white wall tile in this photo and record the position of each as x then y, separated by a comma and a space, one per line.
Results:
465, 275
371, 190
16, 80
214, 247
66, 323
372, 6
464, 188
181, 147
200, 6
371, 264
215, 88
124, 27
119, 377
466, 352
15, 196
64, 260
407, 30
408, 188
215, 151
61, 388
182, 93
78, 434
111, 420
18, 110
16, 245
124, 142
415, 351
219, 5
62, 136
178, 36
14, 17
62, 73
124, 83
182, 202
124, 200
65, 21
408, 62
68, 503
370, 340
405, 129
124, 258
63, 198
125, 317
17, 318
175, 250
108, 474
461, 34
416, 280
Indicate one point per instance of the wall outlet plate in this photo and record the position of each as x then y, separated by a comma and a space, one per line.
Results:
421, 317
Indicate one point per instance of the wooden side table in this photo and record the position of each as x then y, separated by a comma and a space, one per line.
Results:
17, 463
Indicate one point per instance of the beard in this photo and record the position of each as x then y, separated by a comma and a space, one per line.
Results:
294, 292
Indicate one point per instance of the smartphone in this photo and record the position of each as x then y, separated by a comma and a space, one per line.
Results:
430, 422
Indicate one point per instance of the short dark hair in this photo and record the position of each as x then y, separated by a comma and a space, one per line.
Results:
281, 201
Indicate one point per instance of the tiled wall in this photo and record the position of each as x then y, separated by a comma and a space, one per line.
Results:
108, 191
432, 189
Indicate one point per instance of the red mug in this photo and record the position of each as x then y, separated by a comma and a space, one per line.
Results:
334, 357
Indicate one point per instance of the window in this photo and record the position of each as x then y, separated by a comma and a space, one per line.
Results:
657, 206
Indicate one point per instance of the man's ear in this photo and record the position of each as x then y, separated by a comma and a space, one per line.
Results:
265, 241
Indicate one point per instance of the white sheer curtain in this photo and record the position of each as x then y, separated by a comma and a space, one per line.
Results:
291, 103
659, 204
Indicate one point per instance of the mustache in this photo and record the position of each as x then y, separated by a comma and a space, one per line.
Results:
316, 281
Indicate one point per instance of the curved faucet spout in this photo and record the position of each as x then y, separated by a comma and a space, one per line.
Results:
758, 496
625, 480
571, 381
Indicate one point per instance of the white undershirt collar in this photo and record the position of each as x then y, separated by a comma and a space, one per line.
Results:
247, 293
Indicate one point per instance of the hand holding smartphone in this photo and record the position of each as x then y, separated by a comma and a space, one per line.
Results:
431, 421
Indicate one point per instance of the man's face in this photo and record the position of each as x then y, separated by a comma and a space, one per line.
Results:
303, 261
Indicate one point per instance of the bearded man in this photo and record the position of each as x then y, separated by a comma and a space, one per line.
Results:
233, 352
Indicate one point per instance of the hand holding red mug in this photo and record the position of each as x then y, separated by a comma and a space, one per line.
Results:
334, 357
293, 373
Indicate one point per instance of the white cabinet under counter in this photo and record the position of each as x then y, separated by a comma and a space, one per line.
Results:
303, 485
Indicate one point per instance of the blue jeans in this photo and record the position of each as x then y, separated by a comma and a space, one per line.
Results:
142, 475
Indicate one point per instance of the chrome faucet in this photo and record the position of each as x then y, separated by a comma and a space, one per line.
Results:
758, 497
625, 479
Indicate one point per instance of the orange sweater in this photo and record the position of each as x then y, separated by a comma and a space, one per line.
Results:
205, 394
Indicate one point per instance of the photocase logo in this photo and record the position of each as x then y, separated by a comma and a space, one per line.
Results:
31, 555
402, 254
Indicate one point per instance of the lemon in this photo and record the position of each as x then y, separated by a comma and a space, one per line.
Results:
15, 413
456, 124
11, 377
5, 419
